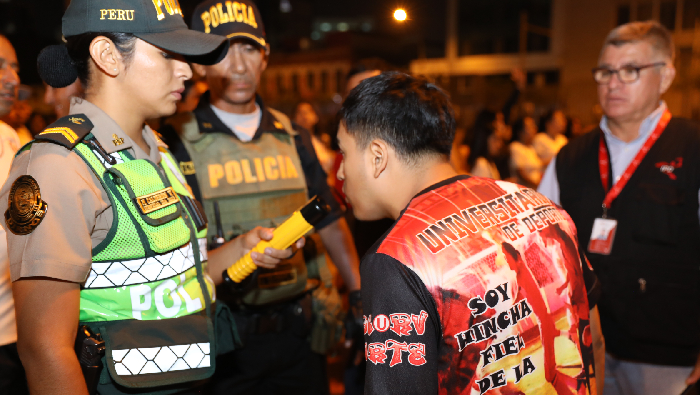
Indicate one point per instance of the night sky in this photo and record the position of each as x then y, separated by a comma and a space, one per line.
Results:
32, 25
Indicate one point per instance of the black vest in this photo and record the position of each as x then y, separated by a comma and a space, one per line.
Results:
650, 304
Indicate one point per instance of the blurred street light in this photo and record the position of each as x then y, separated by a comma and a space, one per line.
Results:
400, 15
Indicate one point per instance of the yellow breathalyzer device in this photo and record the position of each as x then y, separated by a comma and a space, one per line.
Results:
291, 230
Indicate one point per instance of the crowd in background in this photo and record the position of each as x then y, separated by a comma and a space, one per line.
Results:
514, 142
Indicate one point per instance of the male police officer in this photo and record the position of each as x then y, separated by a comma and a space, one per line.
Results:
251, 166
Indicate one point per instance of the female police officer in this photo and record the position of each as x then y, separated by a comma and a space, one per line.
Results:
102, 228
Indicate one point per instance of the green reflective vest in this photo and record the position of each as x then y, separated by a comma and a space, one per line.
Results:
148, 292
255, 183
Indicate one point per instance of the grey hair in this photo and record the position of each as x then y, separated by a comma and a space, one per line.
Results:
649, 31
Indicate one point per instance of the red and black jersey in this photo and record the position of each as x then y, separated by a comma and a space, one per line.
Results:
478, 286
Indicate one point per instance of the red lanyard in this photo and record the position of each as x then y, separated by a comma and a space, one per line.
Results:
604, 162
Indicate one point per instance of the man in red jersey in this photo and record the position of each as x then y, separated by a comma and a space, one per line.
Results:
479, 286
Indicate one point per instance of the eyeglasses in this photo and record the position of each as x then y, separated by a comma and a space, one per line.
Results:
626, 74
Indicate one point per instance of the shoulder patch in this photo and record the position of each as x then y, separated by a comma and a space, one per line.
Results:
67, 131
25, 210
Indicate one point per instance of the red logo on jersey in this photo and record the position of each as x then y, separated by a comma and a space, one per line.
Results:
668, 168
376, 353
401, 324
381, 323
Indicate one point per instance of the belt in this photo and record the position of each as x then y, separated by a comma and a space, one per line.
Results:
288, 316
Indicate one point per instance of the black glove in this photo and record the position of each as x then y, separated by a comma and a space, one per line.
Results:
354, 322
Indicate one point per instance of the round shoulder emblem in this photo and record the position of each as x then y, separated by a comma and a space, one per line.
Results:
25, 208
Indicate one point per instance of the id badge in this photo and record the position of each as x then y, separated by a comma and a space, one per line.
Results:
602, 236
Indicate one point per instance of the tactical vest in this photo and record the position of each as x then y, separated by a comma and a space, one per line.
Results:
148, 292
255, 183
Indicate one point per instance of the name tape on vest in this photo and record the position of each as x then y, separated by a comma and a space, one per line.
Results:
267, 168
157, 200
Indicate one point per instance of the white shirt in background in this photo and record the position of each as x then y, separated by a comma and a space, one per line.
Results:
525, 158
9, 144
620, 153
547, 147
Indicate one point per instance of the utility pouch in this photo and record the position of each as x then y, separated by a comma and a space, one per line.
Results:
147, 354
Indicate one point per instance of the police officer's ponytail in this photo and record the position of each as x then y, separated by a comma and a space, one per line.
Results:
55, 67
60, 65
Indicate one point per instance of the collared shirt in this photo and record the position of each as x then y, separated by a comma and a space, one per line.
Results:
546, 146
524, 158
79, 213
621, 154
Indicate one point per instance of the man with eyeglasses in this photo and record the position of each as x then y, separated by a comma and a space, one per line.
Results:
631, 187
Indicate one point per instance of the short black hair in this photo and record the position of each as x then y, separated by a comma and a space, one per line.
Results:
411, 114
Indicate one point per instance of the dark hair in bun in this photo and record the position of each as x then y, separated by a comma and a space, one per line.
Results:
60, 65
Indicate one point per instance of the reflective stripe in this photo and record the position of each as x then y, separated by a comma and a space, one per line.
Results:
136, 361
143, 270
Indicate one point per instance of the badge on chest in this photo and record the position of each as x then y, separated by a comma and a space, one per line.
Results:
602, 236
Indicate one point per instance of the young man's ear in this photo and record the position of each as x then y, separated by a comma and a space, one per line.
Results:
379, 155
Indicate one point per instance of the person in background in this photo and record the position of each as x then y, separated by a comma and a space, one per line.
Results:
17, 118
460, 151
526, 165
551, 138
631, 186
305, 116
503, 120
36, 123
486, 145
574, 128
190, 97
12, 376
59, 98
